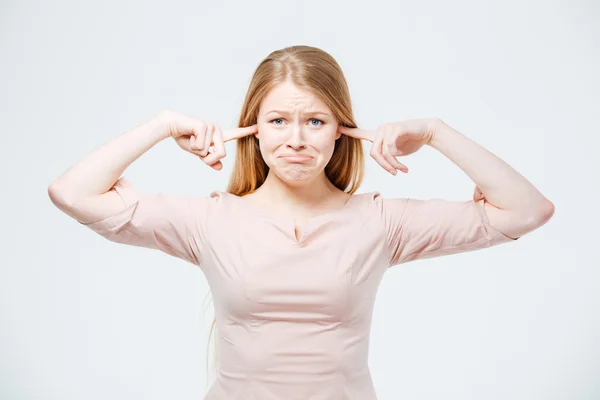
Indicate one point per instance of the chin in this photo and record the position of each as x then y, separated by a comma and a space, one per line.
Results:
295, 175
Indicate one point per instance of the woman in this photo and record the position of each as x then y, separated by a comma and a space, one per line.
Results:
292, 255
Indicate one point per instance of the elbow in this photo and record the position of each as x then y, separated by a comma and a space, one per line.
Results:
547, 210
58, 195
54, 193
537, 217
550, 209
544, 213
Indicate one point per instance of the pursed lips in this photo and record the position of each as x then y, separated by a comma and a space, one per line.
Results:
296, 157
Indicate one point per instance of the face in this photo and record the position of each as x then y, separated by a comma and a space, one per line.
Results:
297, 133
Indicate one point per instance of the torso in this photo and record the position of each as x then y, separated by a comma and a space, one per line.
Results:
333, 204
294, 308
300, 217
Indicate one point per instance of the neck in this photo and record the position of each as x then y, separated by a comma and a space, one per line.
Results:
306, 194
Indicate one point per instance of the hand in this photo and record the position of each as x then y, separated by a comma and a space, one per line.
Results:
395, 139
198, 136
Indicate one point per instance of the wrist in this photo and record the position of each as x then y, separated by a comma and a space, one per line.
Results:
158, 127
437, 129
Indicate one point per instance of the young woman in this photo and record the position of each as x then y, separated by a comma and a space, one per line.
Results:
293, 256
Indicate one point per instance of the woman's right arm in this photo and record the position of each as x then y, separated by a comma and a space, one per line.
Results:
93, 192
83, 191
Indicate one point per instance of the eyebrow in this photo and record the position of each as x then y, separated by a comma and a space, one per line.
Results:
306, 113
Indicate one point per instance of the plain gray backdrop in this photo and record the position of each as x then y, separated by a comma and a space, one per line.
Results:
85, 318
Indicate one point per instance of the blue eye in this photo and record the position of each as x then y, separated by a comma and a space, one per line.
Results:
313, 119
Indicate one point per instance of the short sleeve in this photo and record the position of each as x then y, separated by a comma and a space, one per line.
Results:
418, 229
174, 224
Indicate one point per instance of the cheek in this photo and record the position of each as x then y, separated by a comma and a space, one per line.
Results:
268, 146
268, 139
326, 147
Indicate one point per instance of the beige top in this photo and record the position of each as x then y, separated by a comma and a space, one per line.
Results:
294, 315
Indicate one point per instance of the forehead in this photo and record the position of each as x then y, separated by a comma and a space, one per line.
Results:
288, 97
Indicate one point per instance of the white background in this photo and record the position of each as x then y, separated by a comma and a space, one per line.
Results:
84, 318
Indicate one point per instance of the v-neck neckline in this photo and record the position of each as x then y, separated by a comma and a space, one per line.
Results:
289, 223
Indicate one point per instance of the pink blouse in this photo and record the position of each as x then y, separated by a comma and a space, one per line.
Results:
294, 314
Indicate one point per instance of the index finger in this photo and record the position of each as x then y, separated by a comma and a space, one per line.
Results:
357, 133
239, 132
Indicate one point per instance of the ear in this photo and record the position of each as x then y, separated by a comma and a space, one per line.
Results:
257, 133
338, 134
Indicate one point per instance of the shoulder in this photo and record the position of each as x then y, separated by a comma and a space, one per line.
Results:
217, 195
200, 205
220, 199
366, 197
374, 201
368, 204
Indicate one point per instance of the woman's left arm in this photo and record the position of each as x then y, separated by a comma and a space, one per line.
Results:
513, 204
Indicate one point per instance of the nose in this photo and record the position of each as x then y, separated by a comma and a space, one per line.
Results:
296, 138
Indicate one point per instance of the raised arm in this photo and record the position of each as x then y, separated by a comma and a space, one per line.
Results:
512, 203
83, 191
93, 193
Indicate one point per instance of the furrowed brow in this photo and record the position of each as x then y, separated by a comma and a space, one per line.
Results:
283, 112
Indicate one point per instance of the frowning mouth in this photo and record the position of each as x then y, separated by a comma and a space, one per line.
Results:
296, 158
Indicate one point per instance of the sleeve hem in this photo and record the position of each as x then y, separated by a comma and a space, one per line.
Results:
480, 204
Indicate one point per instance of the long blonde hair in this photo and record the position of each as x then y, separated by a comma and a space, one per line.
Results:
316, 71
